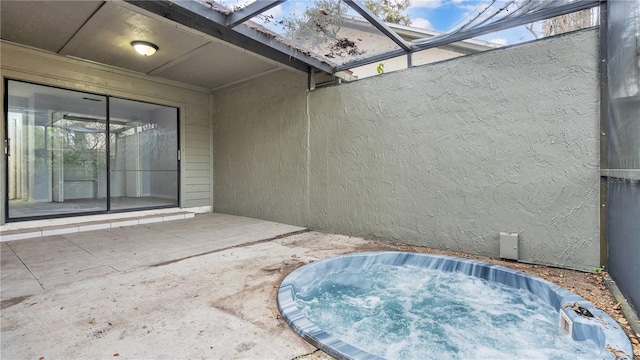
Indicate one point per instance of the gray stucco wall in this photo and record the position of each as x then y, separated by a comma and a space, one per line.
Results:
259, 147
449, 155
445, 155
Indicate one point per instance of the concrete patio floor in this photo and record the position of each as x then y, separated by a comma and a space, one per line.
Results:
196, 288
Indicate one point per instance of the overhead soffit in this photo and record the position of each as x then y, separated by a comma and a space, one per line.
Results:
102, 32
217, 65
45, 25
107, 36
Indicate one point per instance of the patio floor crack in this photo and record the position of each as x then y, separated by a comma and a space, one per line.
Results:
231, 247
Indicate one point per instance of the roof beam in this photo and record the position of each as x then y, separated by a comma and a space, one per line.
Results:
199, 17
251, 10
384, 28
177, 12
503, 24
372, 59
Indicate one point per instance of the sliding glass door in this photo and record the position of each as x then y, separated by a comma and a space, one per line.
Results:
57, 151
143, 155
72, 153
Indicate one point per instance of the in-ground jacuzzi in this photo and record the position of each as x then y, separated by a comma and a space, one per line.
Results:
431, 306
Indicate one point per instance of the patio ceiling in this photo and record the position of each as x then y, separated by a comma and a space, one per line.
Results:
205, 44
102, 31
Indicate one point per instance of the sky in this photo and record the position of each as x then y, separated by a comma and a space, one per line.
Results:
443, 15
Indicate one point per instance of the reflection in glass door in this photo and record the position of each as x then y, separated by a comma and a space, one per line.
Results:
57, 151
144, 155
62, 144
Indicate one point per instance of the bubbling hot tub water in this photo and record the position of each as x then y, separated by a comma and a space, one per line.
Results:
408, 306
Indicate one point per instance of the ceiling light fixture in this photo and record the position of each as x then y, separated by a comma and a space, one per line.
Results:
144, 47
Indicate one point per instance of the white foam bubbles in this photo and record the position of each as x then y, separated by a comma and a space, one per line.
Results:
408, 312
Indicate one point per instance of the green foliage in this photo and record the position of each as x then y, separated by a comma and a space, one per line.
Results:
380, 68
319, 25
78, 148
598, 270
390, 11
320, 21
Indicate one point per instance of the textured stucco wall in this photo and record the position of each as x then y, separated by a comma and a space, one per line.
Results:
259, 145
444, 155
449, 155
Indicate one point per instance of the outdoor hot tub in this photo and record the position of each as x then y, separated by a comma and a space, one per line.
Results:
390, 305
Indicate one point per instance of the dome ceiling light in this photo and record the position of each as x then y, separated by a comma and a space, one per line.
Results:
144, 47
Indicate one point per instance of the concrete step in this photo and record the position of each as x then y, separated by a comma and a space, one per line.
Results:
35, 232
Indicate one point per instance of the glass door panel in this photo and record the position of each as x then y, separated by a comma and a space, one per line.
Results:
144, 155
57, 153
73, 153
